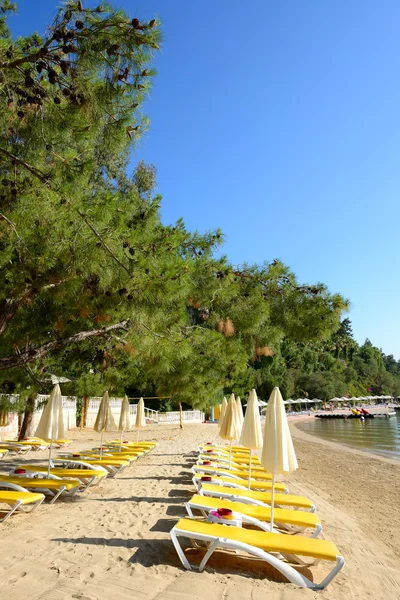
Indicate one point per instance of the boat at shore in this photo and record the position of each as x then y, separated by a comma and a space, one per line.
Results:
384, 415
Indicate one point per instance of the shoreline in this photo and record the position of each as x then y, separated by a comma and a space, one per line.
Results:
352, 449
114, 539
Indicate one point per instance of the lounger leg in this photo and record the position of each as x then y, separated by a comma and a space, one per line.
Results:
189, 510
37, 504
60, 491
179, 551
338, 567
11, 511
212, 547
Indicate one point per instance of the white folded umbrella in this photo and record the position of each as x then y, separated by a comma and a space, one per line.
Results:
278, 455
51, 425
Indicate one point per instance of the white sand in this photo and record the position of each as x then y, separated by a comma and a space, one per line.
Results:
112, 542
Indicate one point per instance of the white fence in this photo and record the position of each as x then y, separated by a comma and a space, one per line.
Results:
115, 405
69, 409
189, 416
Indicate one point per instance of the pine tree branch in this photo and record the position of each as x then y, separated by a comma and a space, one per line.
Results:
12, 305
11, 224
104, 244
33, 354
36, 172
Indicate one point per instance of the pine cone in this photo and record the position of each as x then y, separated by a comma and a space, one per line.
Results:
57, 100
152, 23
29, 81
64, 67
135, 23
79, 25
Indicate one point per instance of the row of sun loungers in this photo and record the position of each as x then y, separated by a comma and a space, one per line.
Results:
234, 517
28, 485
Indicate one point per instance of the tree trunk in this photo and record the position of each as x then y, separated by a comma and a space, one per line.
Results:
85, 406
180, 416
20, 421
27, 423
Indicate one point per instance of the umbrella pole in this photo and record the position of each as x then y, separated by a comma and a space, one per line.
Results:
101, 445
120, 441
249, 470
272, 502
49, 467
230, 454
137, 437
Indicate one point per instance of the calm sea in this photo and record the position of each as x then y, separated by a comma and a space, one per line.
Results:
379, 435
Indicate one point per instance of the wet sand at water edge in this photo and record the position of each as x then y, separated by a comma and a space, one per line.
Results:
112, 542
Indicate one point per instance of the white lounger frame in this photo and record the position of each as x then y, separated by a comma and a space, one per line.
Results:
20, 505
219, 542
86, 481
234, 483
210, 470
111, 470
237, 498
264, 525
42, 489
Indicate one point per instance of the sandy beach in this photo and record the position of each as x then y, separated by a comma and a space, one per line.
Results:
112, 542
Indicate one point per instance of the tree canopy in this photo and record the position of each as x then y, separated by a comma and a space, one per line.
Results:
94, 286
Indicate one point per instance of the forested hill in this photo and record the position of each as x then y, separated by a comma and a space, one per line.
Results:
324, 370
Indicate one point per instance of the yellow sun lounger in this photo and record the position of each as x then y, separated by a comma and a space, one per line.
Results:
224, 463
223, 448
235, 473
292, 521
15, 447
222, 455
53, 486
3, 452
34, 444
137, 444
56, 443
255, 498
116, 451
113, 466
276, 549
16, 500
87, 474
199, 479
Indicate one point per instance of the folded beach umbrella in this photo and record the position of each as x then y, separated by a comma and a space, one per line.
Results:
278, 455
140, 417
230, 429
104, 420
251, 436
240, 412
222, 413
51, 425
124, 423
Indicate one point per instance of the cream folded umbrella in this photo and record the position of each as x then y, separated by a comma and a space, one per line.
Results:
251, 436
124, 423
140, 417
104, 420
278, 455
239, 411
51, 425
222, 413
230, 429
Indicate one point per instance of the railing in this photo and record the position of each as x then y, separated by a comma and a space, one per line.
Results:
194, 416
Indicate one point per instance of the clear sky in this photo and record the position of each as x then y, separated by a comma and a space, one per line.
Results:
280, 123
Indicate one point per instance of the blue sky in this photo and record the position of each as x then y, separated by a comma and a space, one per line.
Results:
279, 123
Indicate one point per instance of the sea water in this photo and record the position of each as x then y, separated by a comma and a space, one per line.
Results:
380, 435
